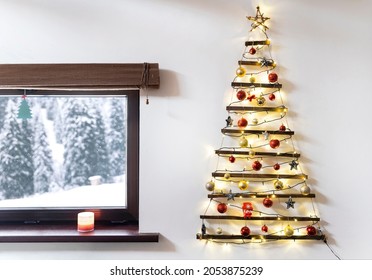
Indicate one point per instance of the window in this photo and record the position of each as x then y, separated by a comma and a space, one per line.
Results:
78, 152
36, 207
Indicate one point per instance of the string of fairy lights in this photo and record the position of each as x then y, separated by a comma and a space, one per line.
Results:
241, 117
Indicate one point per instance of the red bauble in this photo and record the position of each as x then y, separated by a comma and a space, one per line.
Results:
245, 231
252, 51
242, 122
264, 228
272, 96
241, 95
222, 208
267, 202
256, 165
276, 166
311, 230
274, 143
273, 77
282, 127
232, 159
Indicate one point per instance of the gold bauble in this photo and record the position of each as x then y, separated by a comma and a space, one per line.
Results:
254, 121
243, 142
240, 72
260, 100
210, 186
305, 190
243, 185
278, 185
288, 230
227, 176
252, 79
219, 230
252, 153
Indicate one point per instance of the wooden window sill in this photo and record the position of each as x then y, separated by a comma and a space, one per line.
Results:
68, 233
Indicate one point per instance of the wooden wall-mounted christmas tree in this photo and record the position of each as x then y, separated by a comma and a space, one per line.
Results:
258, 191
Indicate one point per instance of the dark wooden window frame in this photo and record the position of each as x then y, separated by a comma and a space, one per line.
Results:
59, 225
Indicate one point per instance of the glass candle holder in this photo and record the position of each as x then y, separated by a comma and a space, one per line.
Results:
85, 222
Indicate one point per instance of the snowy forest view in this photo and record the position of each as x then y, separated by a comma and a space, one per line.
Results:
71, 153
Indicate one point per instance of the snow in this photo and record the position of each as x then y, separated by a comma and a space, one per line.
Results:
57, 149
109, 195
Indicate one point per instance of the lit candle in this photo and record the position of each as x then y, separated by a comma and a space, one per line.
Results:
85, 221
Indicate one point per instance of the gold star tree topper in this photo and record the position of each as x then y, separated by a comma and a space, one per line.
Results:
258, 20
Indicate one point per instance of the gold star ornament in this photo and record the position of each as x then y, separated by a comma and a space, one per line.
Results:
258, 20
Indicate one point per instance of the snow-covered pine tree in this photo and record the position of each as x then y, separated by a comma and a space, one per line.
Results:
117, 139
102, 165
80, 155
58, 119
27, 165
3, 104
16, 164
50, 104
43, 163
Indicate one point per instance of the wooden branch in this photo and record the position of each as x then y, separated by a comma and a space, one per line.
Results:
256, 109
262, 237
255, 43
254, 131
255, 63
87, 76
260, 175
260, 218
255, 85
246, 153
262, 195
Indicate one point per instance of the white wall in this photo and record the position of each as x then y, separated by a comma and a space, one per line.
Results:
323, 52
